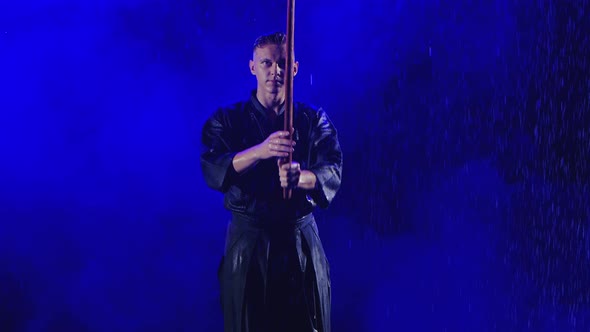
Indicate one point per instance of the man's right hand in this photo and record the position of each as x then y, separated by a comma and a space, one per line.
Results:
275, 145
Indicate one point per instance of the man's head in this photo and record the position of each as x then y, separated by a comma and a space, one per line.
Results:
268, 63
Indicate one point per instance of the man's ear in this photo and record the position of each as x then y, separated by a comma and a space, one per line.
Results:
295, 68
252, 67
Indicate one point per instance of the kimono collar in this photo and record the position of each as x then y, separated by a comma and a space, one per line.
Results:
260, 107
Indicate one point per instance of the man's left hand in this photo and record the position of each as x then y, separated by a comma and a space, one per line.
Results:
289, 174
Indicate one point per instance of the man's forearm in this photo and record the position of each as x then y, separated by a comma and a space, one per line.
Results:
307, 180
245, 160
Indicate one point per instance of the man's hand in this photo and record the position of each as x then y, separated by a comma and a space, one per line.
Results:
289, 174
276, 145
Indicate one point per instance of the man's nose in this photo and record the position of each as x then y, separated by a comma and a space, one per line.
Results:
276, 69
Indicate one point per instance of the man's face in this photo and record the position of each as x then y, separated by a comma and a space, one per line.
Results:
268, 65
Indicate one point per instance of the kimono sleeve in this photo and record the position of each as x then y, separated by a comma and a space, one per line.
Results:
326, 161
217, 154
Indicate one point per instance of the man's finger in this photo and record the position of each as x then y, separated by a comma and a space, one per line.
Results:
280, 133
282, 148
282, 141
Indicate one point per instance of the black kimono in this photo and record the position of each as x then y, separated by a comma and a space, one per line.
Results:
274, 275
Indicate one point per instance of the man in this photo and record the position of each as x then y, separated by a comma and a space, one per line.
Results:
274, 275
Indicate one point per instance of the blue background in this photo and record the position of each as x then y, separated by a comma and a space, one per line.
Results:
465, 129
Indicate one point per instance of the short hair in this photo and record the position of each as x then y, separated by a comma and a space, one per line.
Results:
275, 38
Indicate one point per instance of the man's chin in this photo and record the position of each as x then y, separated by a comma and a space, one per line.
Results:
274, 90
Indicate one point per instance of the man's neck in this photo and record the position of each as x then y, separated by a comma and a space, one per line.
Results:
272, 102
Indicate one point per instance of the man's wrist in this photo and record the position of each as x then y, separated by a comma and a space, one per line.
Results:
255, 153
307, 180
246, 159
